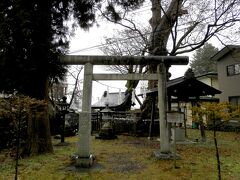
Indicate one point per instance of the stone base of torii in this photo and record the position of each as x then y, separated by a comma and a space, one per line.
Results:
84, 156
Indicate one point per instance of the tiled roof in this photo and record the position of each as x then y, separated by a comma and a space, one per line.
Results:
183, 88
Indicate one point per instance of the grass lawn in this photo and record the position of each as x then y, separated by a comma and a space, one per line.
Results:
130, 157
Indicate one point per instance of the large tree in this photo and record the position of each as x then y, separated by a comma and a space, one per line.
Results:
31, 36
201, 63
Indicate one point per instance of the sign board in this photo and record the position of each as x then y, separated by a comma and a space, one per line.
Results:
175, 117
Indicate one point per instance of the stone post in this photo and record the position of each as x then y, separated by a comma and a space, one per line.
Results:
164, 152
84, 157
162, 106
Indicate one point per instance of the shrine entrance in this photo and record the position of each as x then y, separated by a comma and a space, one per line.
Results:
84, 158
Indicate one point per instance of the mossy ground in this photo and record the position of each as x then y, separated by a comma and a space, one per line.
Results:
129, 157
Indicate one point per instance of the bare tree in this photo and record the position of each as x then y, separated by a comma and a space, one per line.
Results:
75, 94
57, 90
70, 86
128, 42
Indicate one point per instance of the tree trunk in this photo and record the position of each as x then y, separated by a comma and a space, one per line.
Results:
161, 29
39, 137
39, 125
216, 147
202, 130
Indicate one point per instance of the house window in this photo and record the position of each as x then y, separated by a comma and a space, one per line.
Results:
235, 100
233, 69
237, 68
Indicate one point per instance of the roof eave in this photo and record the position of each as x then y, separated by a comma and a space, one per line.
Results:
224, 51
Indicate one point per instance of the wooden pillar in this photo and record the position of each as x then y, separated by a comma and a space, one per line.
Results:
153, 98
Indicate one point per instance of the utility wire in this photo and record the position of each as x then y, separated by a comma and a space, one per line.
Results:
110, 86
112, 42
122, 40
102, 45
105, 44
114, 87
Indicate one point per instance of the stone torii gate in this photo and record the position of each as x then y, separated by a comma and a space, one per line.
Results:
84, 158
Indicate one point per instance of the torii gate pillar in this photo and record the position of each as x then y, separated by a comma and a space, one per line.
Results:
84, 158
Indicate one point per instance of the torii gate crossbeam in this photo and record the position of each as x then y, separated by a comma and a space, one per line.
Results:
84, 157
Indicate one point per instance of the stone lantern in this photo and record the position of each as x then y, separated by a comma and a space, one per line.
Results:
64, 110
106, 131
107, 114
